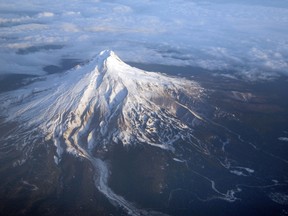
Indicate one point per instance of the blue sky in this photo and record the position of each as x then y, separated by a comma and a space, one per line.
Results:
245, 36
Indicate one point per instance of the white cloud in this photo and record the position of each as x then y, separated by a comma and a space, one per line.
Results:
70, 27
45, 14
15, 20
72, 13
122, 9
24, 29
18, 45
211, 34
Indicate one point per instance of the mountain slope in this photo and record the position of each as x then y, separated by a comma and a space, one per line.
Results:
105, 97
141, 140
87, 109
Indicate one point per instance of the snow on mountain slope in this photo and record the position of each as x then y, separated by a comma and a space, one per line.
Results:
103, 100
139, 134
85, 110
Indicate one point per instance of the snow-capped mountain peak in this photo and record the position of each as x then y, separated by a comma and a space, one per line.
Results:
106, 102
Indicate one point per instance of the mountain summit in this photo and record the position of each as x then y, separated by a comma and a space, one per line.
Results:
106, 101
91, 108
106, 138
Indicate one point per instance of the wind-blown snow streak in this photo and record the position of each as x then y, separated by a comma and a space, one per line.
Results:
103, 102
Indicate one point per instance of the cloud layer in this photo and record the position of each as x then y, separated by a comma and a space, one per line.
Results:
246, 36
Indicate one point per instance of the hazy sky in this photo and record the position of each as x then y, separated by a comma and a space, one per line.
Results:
247, 36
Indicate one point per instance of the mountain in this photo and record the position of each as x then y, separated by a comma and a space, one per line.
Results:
145, 139
105, 102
